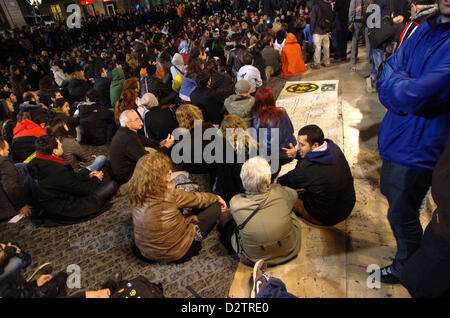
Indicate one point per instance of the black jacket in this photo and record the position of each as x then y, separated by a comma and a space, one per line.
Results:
102, 85
236, 59
12, 192
210, 101
127, 147
222, 83
228, 180
33, 108
192, 166
158, 88
22, 148
159, 122
441, 195
326, 176
78, 89
66, 197
94, 120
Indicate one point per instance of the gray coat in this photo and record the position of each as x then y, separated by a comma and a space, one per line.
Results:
242, 106
273, 234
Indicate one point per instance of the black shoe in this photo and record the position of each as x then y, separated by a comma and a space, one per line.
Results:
386, 276
339, 60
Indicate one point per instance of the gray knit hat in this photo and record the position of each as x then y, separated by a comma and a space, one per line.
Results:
242, 86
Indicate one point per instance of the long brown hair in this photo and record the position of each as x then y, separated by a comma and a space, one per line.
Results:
149, 178
265, 108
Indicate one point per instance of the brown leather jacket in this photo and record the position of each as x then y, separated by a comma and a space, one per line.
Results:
161, 232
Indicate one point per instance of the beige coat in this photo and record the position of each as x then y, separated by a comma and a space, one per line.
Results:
161, 232
273, 234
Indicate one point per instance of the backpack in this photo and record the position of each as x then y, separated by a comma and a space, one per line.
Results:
177, 83
139, 287
325, 21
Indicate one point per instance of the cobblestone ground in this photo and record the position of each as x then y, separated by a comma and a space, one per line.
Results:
103, 245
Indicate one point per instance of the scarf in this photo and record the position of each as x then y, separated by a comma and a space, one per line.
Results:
50, 158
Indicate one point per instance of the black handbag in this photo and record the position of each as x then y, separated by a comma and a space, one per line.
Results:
378, 37
386, 32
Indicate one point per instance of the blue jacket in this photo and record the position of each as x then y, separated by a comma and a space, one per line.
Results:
414, 87
285, 133
187, 86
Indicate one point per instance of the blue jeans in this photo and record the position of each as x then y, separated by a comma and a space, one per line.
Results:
98, 163
22, 170
15, 265
354, 54
378, 58
404, 189
426, 274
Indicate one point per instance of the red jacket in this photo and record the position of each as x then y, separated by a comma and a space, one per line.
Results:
27, 128
291, 57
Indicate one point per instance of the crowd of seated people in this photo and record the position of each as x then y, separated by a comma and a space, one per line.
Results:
130, 92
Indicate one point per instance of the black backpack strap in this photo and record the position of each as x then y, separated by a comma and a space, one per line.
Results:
243, 224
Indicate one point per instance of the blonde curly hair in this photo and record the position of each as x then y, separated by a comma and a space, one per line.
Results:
149, 178
186, 114
239, 138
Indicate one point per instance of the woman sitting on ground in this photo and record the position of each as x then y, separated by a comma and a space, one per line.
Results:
61, 109
189, 84
188, 116
267, 115
238, 142
161, 231
74, 154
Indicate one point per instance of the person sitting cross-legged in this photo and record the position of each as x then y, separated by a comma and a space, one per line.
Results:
65, 197
127, 146
74, 154
323, 172
13, 197
161, 231
273, 232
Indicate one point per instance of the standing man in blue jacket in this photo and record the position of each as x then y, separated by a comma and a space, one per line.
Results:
414, 87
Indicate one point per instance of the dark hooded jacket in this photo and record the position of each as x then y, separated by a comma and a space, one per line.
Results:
33, 108
94, 121
78, 90
327, 179
12, 193
64, 196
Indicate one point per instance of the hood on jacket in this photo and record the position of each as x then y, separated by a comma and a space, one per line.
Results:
291, 39
26, 128
329, 156
178, 61
29, 105
426, 11
241, 98
85, 108
118, 74
57, 111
